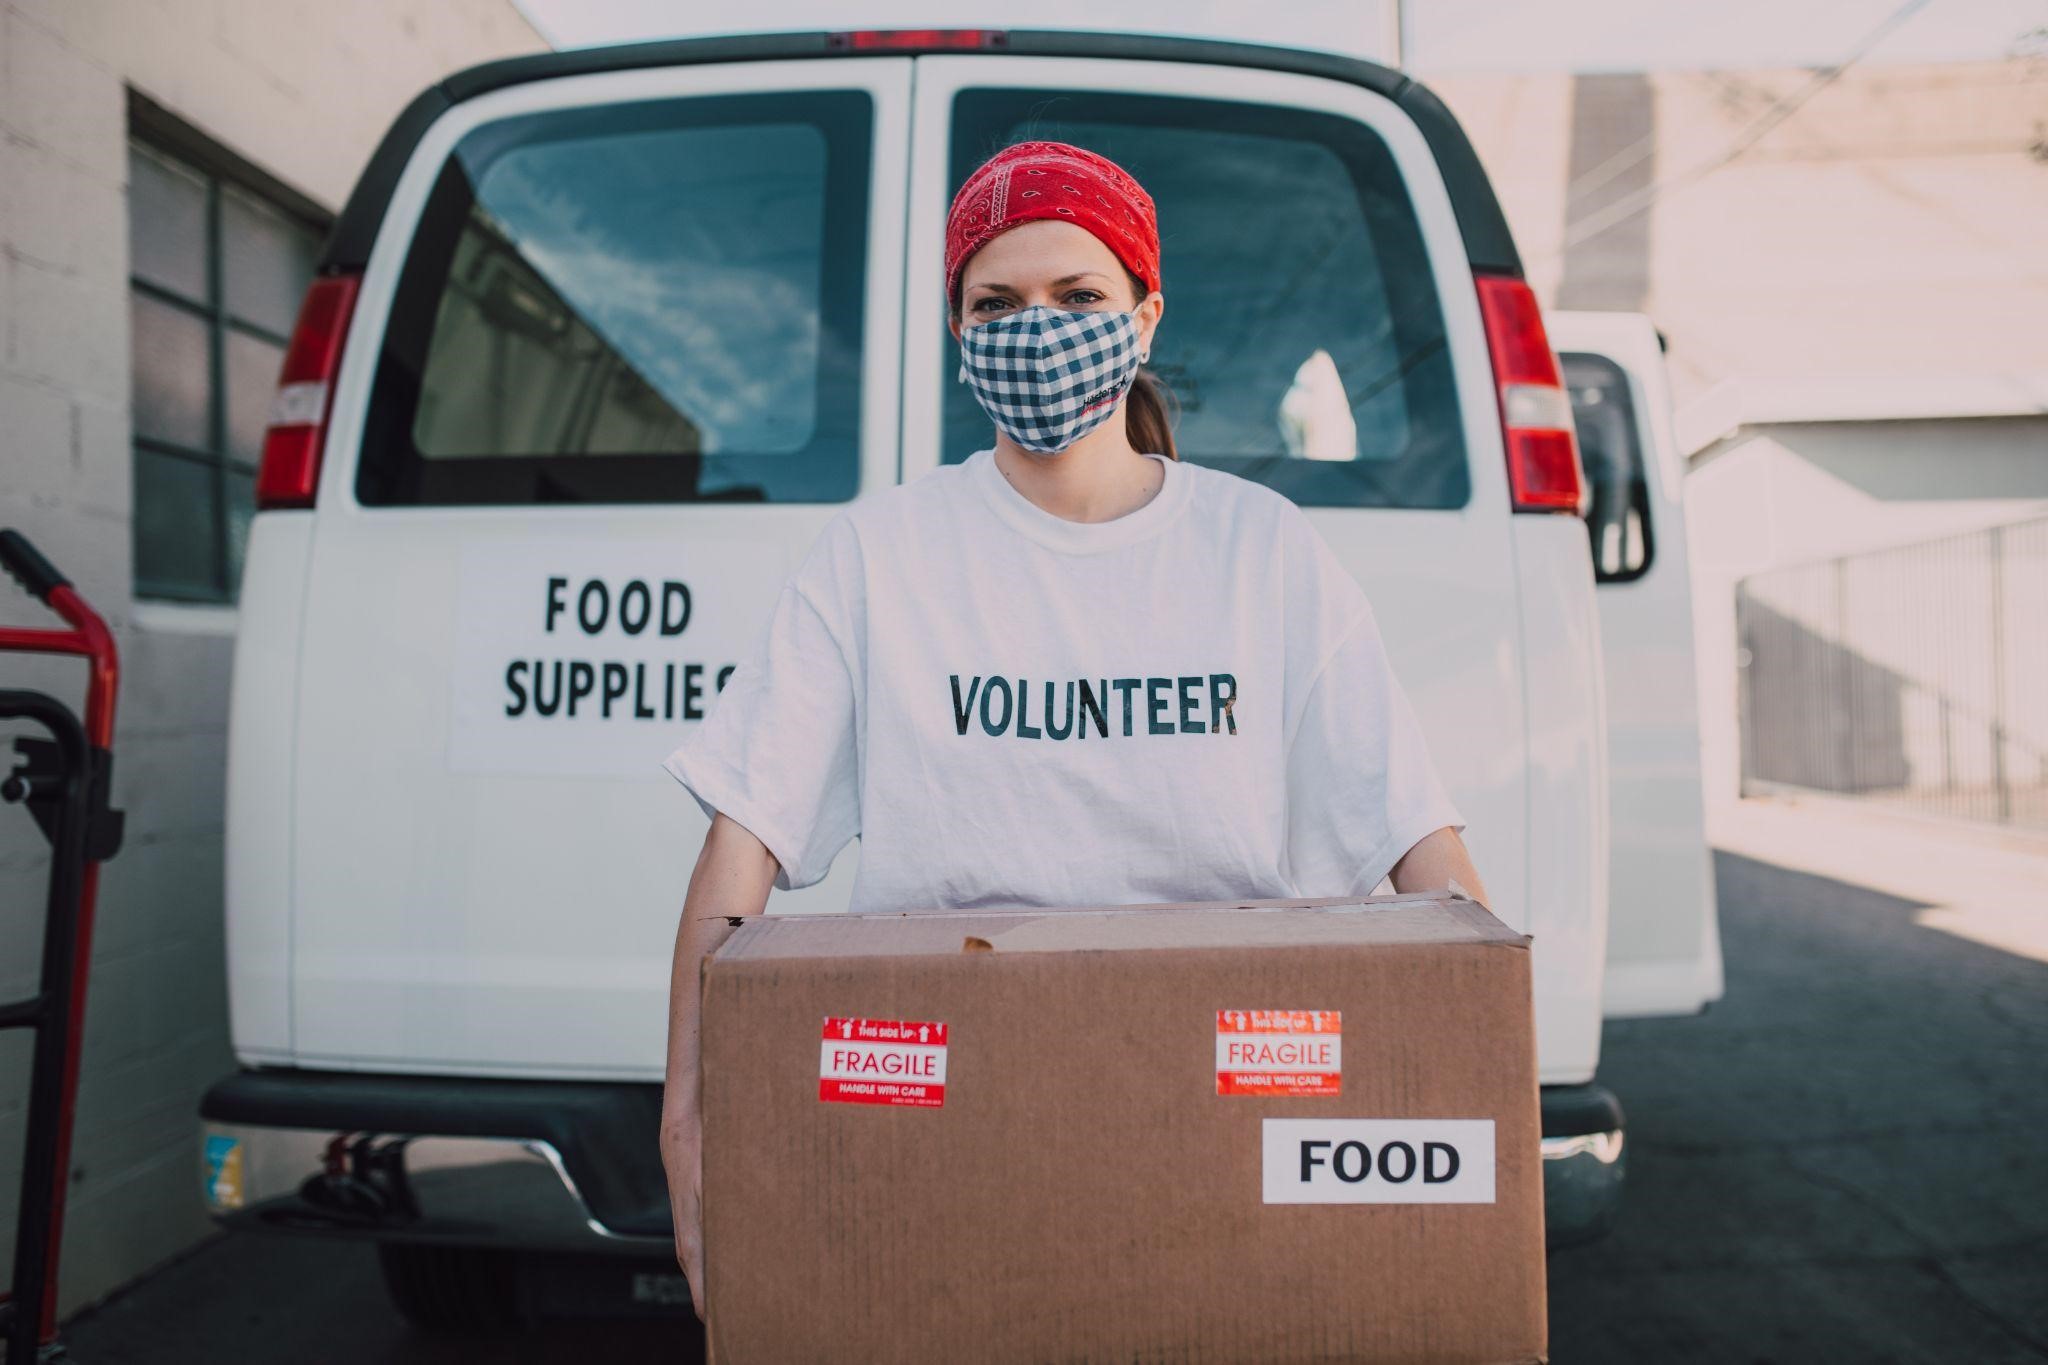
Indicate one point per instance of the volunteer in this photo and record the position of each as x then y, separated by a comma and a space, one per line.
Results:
1070, 670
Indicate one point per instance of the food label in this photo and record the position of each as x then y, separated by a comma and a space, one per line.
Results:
883, 1061
1379, 1161
1279, 1052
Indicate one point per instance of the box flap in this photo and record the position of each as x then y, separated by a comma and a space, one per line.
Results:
1416, 917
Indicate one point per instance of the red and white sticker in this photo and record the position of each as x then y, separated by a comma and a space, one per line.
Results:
1279, 1052
883, 1061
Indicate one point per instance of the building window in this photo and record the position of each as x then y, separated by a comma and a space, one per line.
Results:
217, 268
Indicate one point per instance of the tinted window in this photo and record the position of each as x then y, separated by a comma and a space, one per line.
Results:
1612, 456
1302, 338
649, 302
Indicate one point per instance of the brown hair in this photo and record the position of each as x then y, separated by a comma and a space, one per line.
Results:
1149, 408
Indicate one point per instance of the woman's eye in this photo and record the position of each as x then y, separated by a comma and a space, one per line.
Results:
990, 303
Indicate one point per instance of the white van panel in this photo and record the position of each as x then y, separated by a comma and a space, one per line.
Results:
481, 911
263, 692
1664, 942
1567, 774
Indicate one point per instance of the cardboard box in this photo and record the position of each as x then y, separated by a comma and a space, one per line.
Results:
1243, 1131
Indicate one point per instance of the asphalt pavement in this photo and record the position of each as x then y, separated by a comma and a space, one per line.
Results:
1842, 1160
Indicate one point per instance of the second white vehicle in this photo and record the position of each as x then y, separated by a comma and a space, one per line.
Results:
1663, 936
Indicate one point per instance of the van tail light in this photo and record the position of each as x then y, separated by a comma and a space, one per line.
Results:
918, 39
290, 471
1535, 412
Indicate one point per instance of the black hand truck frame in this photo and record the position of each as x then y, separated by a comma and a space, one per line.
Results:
63, 780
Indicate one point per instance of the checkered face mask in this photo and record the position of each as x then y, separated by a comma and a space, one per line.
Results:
1048, 376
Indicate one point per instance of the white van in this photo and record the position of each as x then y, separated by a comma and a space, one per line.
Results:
600, 342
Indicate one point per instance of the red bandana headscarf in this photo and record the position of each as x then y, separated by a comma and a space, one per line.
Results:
1031, 180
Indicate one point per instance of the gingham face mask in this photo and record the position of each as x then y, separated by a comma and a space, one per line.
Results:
1048, 376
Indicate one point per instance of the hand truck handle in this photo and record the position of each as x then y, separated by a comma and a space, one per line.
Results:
23, 560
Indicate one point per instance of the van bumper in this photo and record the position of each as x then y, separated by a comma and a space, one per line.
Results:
1583, 1165
559, 1165
576, 1165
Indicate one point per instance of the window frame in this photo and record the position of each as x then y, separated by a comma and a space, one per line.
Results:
158, 132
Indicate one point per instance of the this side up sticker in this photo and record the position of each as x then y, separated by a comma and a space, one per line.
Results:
883, 1061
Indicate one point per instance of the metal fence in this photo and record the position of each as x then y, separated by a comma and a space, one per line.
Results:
1915, 676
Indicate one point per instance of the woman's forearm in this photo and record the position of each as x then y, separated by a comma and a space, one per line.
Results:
733, 877
1435, 860
734, 874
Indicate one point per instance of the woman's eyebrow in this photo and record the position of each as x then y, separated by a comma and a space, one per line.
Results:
1062, 280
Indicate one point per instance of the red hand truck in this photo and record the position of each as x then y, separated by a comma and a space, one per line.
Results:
63, 780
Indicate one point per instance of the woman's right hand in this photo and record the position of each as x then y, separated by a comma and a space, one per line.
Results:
682, 1154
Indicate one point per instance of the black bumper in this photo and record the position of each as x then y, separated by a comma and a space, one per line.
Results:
578, 1163
326, 1151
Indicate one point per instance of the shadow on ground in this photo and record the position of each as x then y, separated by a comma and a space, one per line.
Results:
248, 1297
1842, 1160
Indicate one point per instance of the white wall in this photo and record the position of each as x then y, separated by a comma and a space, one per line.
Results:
1884, 237
303, 90
1888, 227
1787, 495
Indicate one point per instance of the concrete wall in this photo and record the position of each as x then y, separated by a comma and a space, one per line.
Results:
303, 90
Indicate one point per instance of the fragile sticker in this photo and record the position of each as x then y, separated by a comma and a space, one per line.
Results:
883, 1061
1279, 1052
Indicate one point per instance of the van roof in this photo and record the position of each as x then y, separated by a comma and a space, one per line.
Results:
1480, 220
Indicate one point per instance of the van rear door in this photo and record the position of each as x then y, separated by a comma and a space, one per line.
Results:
1322, 335
1663, 932
626, 340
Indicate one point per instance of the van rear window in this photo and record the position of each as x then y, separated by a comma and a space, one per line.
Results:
649, 302
1303, 335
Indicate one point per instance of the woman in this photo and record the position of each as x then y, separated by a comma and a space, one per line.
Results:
1070, 670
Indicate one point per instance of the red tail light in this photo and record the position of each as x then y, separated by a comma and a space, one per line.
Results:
290, 471
1535, 412
918, 39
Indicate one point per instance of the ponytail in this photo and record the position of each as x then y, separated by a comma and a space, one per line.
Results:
1149, 408
1148, 412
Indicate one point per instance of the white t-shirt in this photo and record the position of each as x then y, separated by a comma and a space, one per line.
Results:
1187, 702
